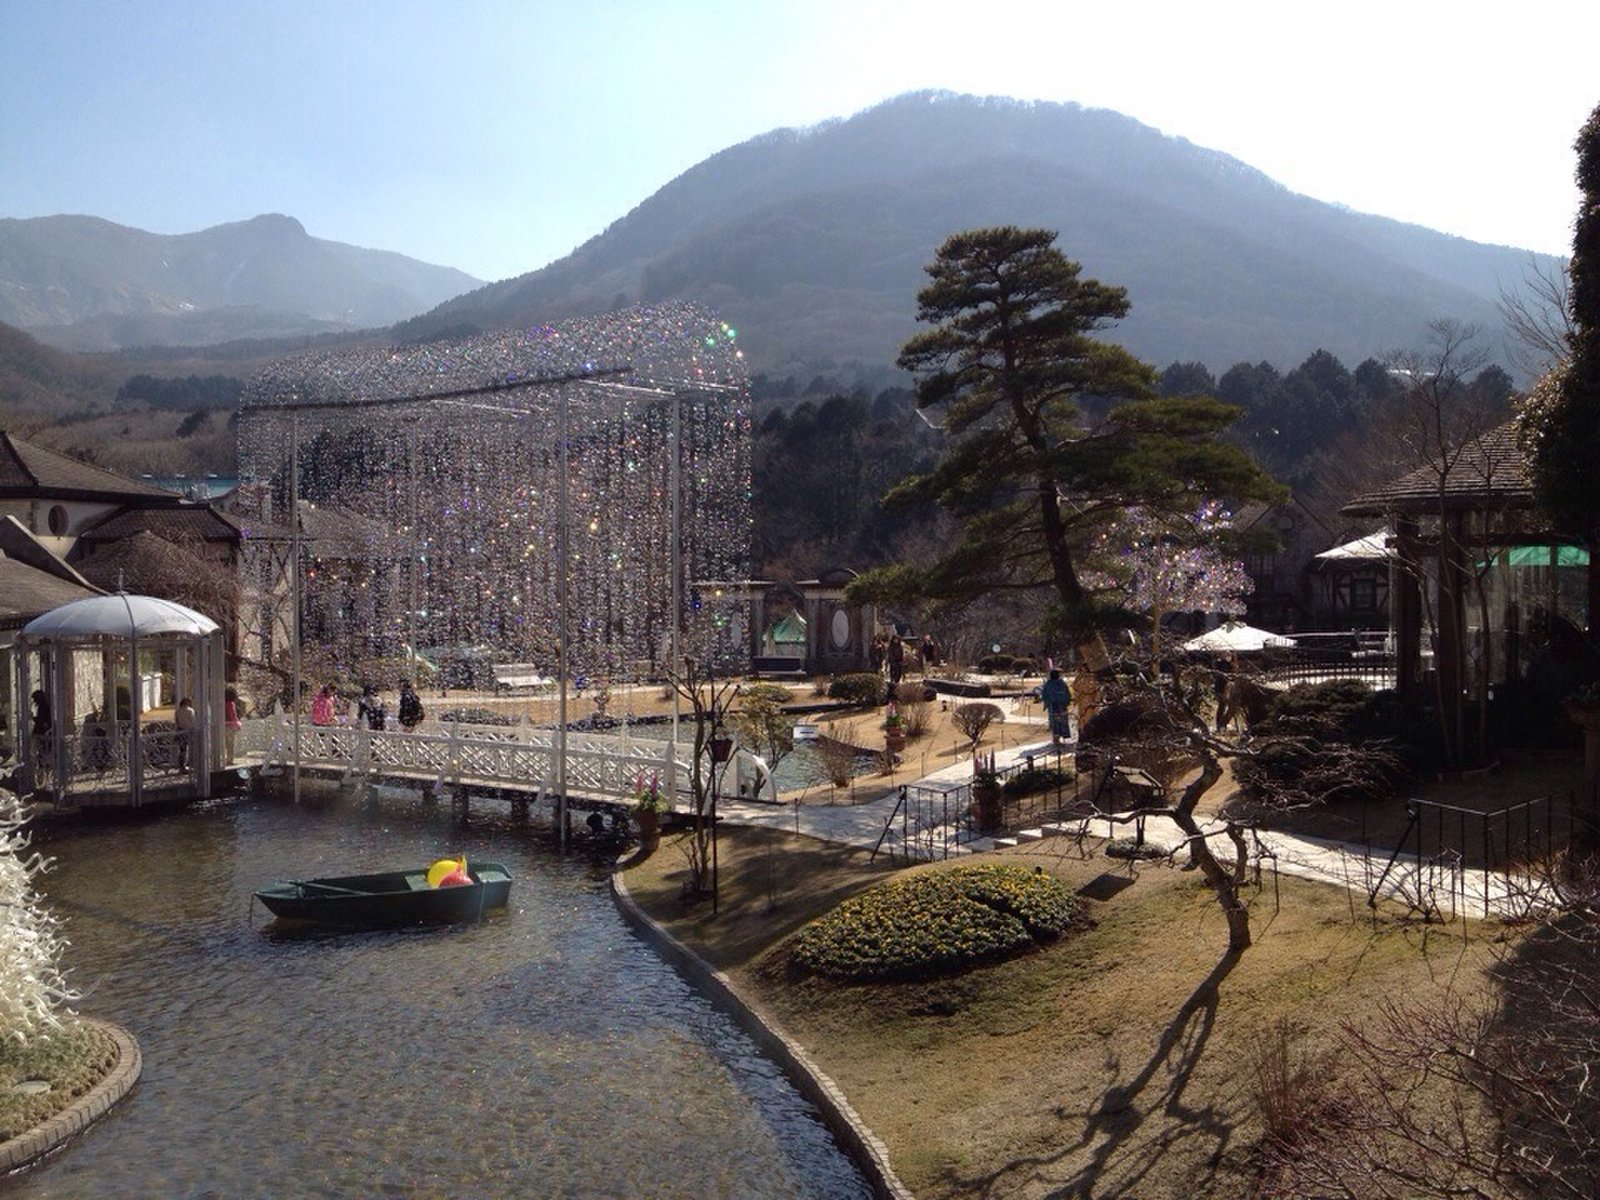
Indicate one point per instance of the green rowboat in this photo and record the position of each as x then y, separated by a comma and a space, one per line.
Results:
389, 898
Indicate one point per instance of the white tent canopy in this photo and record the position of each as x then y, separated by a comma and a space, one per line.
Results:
1372, 546
1237, 637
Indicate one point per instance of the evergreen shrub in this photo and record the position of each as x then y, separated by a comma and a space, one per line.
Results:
862, 688
1036, 779
1309, 727
938, 923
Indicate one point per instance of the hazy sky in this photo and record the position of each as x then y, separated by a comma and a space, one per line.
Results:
495, 136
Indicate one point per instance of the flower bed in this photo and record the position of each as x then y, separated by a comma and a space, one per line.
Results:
937, 923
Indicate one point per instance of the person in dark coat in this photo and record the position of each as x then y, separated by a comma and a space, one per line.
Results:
42, 731
897, 659
1056, 697
370, 709
410, 707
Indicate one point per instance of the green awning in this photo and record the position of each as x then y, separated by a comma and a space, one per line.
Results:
789, 631
1539, 556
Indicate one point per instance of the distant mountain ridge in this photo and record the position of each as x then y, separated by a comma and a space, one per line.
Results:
83, 283
813, 241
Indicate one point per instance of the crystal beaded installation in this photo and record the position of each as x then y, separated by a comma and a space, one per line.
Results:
451, 494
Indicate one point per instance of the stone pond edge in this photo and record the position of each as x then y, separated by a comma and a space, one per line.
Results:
859, 1142
26, 1148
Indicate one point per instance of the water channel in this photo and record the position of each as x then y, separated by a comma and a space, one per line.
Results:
545, 1052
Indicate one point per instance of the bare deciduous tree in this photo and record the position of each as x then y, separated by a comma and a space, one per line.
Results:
710, 698
1538, 318
974, 719
1488, 1096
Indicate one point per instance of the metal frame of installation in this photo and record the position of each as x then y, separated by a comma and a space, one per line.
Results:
548, 493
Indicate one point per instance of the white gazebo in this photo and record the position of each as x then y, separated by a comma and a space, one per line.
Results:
113, 670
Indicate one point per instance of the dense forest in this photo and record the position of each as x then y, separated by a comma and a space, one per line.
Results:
823, 461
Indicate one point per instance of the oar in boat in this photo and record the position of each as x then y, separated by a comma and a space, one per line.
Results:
327, 887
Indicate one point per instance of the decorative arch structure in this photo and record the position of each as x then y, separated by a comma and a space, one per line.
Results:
473, 496
112, 670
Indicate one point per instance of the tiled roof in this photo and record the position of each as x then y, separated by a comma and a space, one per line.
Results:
1490, 471
17, 543
27, 470
332, 533
187, 522
26, 592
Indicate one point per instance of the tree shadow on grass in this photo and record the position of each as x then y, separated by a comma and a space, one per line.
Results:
1156, 1092
770, 883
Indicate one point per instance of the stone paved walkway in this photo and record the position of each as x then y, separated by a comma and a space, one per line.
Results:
1452, 892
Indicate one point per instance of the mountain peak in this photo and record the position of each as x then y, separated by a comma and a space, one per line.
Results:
86, 284
813, 241
273, 225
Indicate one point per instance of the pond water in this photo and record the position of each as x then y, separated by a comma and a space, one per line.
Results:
544, 1052
803, 767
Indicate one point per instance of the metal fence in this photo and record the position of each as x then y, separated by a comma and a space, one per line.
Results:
1444, 847
1319, 657
935, 820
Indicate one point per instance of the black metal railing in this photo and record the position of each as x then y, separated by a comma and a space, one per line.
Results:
1516, 844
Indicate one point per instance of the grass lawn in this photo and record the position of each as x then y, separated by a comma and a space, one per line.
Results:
71, 1060
1117, 1062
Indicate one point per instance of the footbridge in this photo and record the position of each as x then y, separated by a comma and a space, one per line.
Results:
602, 769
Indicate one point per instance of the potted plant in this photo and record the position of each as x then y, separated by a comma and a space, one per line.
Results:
649, 802
986, 793
894, 730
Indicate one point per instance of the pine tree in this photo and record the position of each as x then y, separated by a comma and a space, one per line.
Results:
1560, 422
1053, 433
1054, 436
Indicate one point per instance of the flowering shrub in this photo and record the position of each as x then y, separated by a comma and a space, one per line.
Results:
938, 923
648, 797
31, 984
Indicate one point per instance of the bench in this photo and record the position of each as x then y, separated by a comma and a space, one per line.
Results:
958, 687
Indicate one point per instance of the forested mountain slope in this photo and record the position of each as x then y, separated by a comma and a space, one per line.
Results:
813, 241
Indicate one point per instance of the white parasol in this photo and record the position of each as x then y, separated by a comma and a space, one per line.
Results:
1237, 637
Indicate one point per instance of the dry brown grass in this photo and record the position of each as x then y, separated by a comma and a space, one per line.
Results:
1117, 1063
71, 1060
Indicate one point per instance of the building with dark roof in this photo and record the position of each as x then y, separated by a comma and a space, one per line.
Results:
1478, 581
70, 529
56, 497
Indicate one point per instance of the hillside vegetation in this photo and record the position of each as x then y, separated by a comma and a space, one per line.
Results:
813, 242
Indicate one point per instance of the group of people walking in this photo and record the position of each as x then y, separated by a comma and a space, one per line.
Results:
889, 654
329, 708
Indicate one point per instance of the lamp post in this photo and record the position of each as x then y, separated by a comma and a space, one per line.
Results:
721, 751
294, 587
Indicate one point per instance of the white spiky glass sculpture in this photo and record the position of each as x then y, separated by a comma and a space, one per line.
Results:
33, 992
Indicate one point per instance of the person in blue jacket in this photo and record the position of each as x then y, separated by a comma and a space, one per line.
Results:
1057, 697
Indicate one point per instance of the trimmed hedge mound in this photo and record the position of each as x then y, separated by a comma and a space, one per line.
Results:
862, 688
938, 923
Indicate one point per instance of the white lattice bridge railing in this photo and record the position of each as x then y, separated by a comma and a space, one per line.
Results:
601, 765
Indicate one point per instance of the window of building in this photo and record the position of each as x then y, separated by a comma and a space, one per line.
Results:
58, 520
1363, 595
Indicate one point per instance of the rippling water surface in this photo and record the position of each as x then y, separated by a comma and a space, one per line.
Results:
545, 1052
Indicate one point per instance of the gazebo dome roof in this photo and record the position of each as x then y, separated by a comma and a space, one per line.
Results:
118, 616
